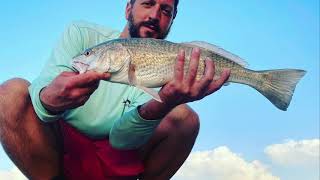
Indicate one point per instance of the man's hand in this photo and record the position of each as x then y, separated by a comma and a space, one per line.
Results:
70, 90
184, 88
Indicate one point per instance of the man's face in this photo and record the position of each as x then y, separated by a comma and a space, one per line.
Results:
150, 18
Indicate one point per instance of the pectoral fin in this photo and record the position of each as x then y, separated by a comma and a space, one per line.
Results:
133, 82
132, 75
153, 93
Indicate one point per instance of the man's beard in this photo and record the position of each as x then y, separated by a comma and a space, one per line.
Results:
134, 28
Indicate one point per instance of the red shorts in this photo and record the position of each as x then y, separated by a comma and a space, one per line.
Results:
86, 158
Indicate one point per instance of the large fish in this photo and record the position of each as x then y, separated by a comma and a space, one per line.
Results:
148, 63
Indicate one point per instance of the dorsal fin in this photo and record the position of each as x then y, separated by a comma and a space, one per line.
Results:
218, 50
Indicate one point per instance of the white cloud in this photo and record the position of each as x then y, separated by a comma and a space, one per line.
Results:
291, 160
295, 153
13, 174
222, 164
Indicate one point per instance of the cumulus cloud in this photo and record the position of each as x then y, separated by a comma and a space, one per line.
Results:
222, 164
13, 174
295, 153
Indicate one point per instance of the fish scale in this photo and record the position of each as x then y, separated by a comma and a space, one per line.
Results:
161, 59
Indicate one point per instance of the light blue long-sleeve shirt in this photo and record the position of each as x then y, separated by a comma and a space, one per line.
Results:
105, 113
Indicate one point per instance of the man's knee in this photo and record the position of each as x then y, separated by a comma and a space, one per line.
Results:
185, 120
16, 86
192, 121
14, 99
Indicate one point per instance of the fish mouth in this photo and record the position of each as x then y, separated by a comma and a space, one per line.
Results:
79, 66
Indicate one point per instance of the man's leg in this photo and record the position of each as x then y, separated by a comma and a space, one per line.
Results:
171, 144
31, 144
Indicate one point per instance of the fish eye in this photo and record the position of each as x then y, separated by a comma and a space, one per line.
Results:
87, 53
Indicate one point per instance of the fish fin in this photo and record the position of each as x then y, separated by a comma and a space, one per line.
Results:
280, 85
133, 81
132, 75
153, 93
218, 50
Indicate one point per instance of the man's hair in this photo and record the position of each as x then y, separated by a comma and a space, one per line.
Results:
176, 2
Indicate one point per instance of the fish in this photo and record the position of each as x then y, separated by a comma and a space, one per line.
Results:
148, 63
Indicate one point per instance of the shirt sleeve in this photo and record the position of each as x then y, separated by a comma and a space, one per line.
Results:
132, 131
69, 45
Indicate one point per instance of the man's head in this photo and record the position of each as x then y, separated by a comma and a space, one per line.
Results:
150, 18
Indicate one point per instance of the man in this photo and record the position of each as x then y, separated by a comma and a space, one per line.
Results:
160, 135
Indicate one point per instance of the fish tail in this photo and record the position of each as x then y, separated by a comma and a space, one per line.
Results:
278, 85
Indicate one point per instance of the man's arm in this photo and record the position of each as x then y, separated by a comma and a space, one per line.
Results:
68, 46
57, 77
70, 90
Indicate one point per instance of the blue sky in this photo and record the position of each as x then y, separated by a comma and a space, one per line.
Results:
267, 34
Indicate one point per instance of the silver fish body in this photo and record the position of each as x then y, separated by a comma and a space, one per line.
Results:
148, 63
